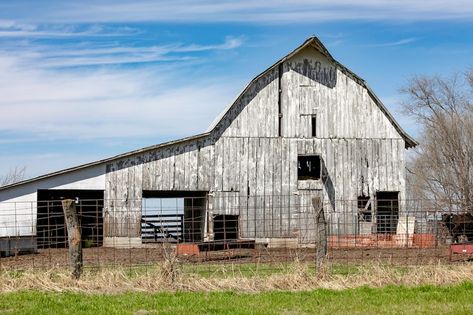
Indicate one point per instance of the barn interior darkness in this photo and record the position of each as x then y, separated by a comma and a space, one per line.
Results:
387, 211
51, 228
308, 167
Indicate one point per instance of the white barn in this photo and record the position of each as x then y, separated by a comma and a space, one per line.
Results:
307, 127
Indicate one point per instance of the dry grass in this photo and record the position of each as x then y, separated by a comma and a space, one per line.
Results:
296, 277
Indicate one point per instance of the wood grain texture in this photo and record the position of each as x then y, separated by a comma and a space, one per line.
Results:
253, 173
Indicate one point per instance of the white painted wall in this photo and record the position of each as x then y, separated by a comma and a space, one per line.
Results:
18, 205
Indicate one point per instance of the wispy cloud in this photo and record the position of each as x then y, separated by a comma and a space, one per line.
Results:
254, 11
14, 26
12, 29
230, 43
400, 42
80, 83
100, 83
49, 92
89, 70
115, 53
109, 103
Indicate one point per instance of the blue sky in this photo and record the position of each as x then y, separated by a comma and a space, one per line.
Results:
84, 80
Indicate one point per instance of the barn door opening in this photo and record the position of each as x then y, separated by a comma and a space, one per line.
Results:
51, 229
387, 211
173, 216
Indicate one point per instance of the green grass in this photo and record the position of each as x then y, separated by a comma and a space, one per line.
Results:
389, 300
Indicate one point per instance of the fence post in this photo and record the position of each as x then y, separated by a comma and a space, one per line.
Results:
73, 237
321, 236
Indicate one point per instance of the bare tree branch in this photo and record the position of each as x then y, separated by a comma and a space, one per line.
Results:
442, 169
14, 175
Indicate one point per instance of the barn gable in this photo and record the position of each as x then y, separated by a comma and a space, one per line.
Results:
308, 82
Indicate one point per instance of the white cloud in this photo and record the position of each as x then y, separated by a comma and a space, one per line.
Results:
99, 108
14, 26
12, 29
255, 11
46, 95
83, 54
105, 103
84, 90
400, 42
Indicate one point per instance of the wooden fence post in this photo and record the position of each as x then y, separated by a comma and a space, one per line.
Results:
73, 237
321, 233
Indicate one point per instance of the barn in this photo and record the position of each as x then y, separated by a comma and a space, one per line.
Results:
306, 128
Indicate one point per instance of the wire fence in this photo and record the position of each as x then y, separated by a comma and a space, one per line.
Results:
207, 232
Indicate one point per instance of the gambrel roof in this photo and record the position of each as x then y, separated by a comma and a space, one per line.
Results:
310, 42
317, 44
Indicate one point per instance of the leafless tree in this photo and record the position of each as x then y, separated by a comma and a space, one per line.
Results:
441, 168
14, 175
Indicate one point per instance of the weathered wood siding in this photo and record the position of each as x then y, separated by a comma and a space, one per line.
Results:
344, 109
251, 171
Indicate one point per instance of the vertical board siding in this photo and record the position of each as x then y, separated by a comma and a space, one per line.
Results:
346, 110
251, 172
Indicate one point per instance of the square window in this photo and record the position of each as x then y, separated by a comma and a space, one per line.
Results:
308, 167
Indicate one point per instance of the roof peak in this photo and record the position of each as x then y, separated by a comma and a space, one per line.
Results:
316, 43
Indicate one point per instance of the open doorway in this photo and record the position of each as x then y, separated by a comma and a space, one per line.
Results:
387, 211
173, 215
51, 227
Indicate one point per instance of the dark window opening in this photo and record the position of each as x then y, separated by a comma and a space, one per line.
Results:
364, 209
387, 211
308, 167
51, 226
225, 227
314, 126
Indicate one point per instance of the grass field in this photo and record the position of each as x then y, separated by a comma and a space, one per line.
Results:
292, 288
388, 300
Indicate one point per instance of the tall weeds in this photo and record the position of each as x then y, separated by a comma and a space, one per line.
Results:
295, 276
